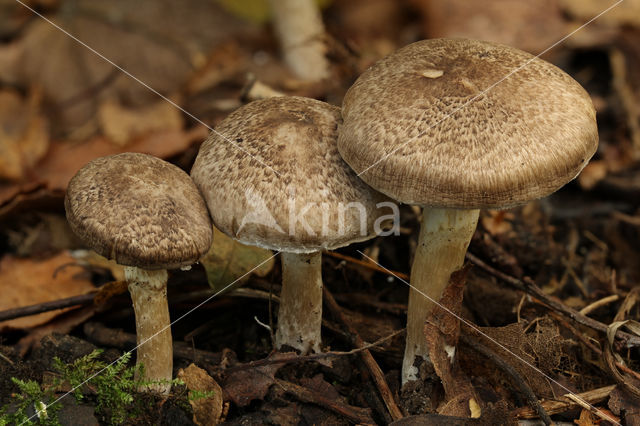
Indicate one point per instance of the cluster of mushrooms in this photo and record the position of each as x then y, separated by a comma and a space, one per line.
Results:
451, 125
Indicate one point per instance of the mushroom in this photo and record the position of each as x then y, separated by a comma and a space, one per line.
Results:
148, 215
454, 126
308, 201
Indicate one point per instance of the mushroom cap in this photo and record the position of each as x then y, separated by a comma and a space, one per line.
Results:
140, 211
458, 123
298, 209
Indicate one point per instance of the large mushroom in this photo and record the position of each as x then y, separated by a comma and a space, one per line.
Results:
308, 201
148, 215
455, 126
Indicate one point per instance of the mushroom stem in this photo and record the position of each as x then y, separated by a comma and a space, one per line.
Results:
444, 237
298, 24
154, 345
300, 312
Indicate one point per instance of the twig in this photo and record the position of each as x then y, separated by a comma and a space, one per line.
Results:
367, 265
564, 403
24, 311
312, 357
101, 335
589, 407
357, 415
590, 345
599, 303
528, 286
367, 358
516, 378
6, 358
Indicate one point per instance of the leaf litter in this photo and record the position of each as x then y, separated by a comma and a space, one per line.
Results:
61, 106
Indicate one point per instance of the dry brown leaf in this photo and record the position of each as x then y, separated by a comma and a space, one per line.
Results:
245, 385
586, 419
442, 330
205, 395
625, 405
159, 41
26, 282
24, 136
64, 159
527, 25
62, 324
497, 221
593, 173
121, 124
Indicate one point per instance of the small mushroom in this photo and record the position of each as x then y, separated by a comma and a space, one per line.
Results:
308, 201
148, 215
495, 127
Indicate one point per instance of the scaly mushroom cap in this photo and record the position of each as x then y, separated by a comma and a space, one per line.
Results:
458, 123
140, 211
297, 210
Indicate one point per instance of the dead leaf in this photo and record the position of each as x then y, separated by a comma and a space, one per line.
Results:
625, 405
593, 173
24, 136
586, 419
26, 282
12, 17
207, 409
63, 324
497, 221
35, 233
160, 42
121, 124
246, 384
442, 330
229, 260
64, 159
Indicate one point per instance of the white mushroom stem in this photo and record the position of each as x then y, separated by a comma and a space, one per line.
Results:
298, 25
444, 238
300, 312
154, 345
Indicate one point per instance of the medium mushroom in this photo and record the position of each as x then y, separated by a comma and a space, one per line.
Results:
308, 201
148, 215
455, 126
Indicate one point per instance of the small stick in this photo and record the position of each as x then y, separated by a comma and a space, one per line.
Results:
516, 378
564, 403
599, 303
24, 311
590, 345
312, 357
590, 408
528, 286
367, 265
101, 335
357, 415
6, 358
367, 358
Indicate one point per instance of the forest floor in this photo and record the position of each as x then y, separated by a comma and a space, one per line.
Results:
545, 287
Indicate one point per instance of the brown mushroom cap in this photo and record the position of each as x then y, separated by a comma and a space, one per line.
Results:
419, 128
251, 203
140, 211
